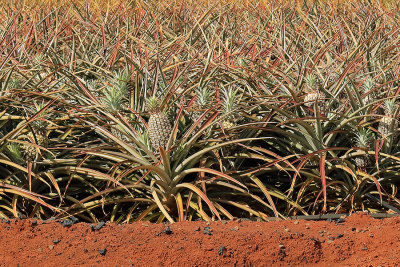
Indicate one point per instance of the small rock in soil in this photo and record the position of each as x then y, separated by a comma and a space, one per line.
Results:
340, 220
198, 229
235, 228
167, 231
56, 241
339, 236
5, 220
102, 251
51, 247
207, 230
98, 226
221, 250
69, 222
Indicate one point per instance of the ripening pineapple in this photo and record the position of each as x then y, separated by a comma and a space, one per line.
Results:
159, 125
310, 98
31, 152
388, 124
313, 94
363, 140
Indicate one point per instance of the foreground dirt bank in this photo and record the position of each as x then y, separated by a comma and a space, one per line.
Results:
358, 241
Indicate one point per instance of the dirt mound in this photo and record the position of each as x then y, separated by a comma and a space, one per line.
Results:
358, 240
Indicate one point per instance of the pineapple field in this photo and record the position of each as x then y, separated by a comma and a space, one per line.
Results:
175, 111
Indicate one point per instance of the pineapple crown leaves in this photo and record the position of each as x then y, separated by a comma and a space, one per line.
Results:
311, 81
39, 123
390, 107
39, 58
363, 138
113, 98
121, 80
203, 96
14, 83
369, 84
229, 100
153, 104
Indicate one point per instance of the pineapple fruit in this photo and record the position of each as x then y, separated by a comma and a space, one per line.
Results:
159, 125
313, 95
363, 140
310, 98
32, 152
389, 125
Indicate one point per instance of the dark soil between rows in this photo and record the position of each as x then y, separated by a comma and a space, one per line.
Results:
359, 240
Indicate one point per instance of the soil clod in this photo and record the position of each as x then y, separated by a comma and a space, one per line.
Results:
5, 220
207, 230
221, 250
103, 251
69, 222
167, 231
340, 220
98, 226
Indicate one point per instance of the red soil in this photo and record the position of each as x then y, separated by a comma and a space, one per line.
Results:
359, 241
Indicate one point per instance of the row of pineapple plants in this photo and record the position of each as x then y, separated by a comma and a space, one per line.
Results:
198, 111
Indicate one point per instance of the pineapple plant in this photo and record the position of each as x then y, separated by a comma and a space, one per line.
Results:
388, 125
121, 81
159, 128
203, 102
115, 93
363, 140
229, 104
38, 134
114, 97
